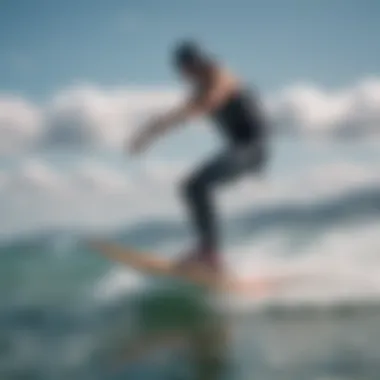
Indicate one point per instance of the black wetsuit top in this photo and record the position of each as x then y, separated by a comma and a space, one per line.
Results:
240, 119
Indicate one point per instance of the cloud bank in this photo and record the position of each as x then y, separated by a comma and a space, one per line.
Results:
20, 124
350, 112
93, 117
38, 195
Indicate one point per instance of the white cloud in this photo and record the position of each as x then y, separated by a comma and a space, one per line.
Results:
92, 117
165, 172
306, 109
318, 184
91, 176
339, 176
41, 195
33, 178
20, 124
87, 116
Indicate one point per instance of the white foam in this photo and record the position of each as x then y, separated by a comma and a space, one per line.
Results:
341, 264
116, 283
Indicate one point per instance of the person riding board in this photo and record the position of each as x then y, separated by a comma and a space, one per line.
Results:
236, 111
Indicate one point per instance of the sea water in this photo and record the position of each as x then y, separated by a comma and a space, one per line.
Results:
68, 313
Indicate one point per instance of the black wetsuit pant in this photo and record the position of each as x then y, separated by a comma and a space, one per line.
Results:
198, 189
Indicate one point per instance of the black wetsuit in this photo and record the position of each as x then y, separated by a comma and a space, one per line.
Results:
241, 122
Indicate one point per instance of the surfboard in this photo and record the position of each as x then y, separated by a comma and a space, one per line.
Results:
150, 264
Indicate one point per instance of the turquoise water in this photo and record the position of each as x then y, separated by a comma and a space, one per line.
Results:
66, 312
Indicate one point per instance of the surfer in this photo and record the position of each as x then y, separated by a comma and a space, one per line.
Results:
219, 94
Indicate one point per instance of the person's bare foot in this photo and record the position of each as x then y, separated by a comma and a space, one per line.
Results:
199, 258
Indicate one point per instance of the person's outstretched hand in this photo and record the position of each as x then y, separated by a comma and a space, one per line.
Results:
143, 139
138, 144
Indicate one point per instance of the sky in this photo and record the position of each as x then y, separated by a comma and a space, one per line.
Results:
49, 44
77, 78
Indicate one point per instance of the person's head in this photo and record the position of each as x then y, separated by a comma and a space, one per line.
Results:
190, 60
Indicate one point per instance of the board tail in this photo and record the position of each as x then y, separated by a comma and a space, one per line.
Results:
200, 276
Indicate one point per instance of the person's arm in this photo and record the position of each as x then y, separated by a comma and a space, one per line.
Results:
199, 105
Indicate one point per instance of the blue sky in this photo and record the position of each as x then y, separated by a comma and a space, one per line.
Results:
51, 49
49, 44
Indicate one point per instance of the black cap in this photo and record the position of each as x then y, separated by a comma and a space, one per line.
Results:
188, 53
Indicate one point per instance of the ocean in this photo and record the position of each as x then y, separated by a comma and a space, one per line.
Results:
68, 313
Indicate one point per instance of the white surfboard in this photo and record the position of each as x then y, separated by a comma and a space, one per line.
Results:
152, 265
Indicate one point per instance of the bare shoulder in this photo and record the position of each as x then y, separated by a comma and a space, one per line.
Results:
227, 78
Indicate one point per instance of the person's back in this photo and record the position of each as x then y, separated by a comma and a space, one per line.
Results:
240, 118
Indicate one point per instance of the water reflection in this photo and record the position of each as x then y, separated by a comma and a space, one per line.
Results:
179, 332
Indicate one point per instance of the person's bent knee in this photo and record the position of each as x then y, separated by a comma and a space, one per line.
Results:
193, 188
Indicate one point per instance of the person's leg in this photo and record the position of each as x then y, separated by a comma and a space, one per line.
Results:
198, 191
197, 194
